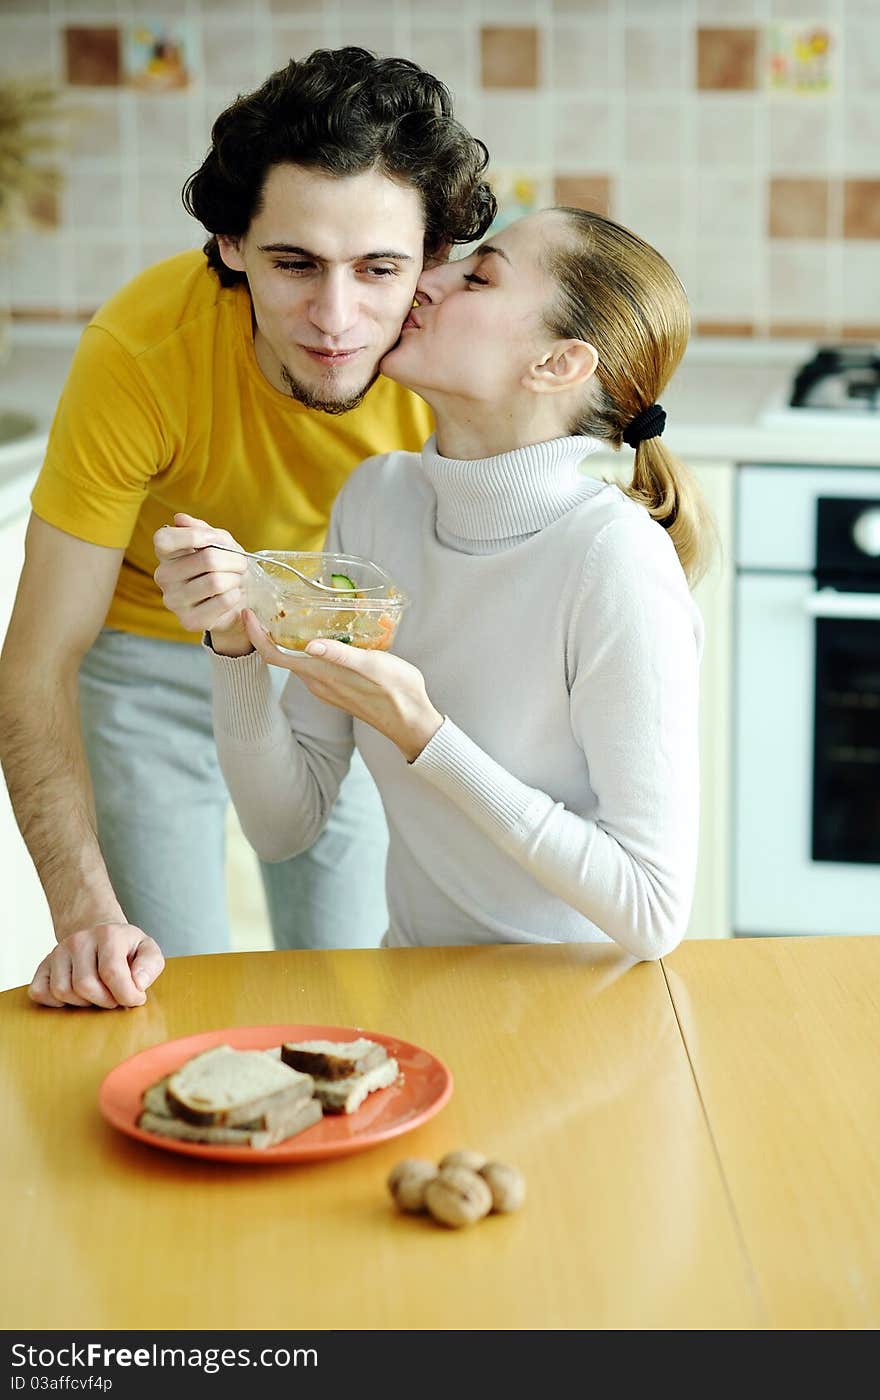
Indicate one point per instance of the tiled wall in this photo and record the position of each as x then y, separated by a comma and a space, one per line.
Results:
673, 115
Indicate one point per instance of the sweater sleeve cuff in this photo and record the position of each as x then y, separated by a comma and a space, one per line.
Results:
246, 708
494, 798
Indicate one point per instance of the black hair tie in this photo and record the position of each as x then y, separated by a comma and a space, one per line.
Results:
647, 424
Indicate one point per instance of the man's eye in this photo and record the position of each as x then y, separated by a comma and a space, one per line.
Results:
294, 266
479, 281
381, 271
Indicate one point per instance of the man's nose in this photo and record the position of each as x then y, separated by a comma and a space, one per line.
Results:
333, 308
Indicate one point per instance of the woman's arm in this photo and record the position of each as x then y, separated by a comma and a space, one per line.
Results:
283, 783
634, 657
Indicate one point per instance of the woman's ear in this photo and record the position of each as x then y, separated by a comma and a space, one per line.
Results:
566, 364
230, 252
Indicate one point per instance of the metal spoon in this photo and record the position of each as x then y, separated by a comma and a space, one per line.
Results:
303, 578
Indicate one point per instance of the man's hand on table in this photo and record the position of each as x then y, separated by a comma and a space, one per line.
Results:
106, 966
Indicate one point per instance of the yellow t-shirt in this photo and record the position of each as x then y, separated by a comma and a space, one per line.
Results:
165, 409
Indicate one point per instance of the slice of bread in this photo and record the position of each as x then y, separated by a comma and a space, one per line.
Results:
333, 1059
299, 1116
346, 1095
230, 1088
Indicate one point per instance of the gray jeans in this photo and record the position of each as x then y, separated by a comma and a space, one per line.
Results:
145, 708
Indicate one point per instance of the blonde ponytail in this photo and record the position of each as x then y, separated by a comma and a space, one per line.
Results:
672, 497
619, 294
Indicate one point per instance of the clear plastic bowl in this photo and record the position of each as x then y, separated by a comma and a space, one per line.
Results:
294, 614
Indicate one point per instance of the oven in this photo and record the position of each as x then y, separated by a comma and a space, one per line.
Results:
806, 830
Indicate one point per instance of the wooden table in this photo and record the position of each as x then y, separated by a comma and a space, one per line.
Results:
784, 1038
674, 1124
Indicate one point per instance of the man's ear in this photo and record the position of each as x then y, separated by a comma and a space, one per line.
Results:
566, 364
230, 253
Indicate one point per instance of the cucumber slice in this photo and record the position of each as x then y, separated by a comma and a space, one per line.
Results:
342, 581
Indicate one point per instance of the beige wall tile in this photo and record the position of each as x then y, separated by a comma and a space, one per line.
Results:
727, 58
619, 107
654, 132
654, 206
99, 270
581, 58
861, 138
34, 49
80, 9
861, 209
725, 283
377, 34
229, 56
723, 10
654, 59
94, 200
799, 9
799, 282
861, 67
860, 281
159, 205
799, 208
582, 8
583, 192
800, 135
666, 11
729, 206
727, 129
36, 270
95, 127
163, 125
509, 56
582, 137
296, 7
442, 52
511, 10
516, 129
287, 41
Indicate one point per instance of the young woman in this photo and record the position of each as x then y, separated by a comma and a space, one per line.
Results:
534, 736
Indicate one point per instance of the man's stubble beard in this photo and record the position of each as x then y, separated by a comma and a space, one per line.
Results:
309, 399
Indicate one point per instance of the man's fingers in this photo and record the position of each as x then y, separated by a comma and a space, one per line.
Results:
116, 976
38, 991
147, 964
61, 978
87, 976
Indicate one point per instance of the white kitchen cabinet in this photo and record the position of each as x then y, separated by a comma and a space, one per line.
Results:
26, 927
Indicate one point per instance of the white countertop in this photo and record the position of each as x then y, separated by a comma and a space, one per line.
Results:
714, 406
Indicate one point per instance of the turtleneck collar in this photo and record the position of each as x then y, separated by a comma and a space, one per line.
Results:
506, 498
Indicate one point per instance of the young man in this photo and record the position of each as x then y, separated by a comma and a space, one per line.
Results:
243, 388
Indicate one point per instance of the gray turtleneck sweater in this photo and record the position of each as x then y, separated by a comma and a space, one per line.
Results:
558, 801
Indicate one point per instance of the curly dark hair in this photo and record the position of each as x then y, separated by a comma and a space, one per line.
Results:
343, 111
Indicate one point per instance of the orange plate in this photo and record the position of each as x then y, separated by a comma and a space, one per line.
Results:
386, 1113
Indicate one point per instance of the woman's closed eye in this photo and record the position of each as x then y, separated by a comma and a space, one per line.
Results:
478, 281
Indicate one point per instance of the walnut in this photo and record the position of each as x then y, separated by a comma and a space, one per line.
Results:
457, 1196
407, 1181
464, 1157
507, 1185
